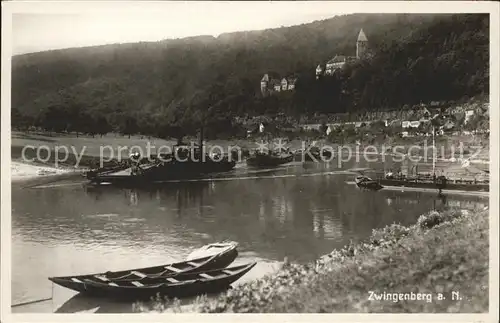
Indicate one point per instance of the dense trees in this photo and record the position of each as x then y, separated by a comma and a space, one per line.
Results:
170, 88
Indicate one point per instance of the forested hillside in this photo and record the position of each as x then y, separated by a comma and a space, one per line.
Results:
167, 87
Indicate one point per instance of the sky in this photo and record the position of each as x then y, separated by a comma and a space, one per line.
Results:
41, 30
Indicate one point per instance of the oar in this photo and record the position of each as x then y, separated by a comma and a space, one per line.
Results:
36, 301
32, 302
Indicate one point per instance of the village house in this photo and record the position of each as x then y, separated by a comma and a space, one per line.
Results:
406, 124
395, 123
255, 129
288, 84
485, 109
271, 83
284, 84
468, 115
311, 126
448, 125
275, 85
418, 116
414, 121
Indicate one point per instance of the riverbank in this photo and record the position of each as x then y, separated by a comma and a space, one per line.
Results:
443, 252
86, 152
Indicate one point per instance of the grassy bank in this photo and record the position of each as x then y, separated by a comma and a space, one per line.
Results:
443, 252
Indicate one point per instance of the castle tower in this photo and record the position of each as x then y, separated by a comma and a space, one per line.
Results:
361, 44
264, 84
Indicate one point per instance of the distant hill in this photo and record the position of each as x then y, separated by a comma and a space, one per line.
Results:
168, 86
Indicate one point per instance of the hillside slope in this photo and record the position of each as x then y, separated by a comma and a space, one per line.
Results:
150, 86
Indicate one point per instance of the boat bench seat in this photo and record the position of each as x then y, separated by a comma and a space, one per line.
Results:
172, 280
191, 263
173, 269
206, 276
137, 284
76, 280
227, 272
113, 284
137, 273
101, 278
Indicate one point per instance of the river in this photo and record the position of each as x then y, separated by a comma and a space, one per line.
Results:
298, 211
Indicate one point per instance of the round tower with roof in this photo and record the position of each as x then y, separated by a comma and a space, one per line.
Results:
361, 44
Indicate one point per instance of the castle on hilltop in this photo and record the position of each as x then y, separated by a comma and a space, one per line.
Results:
272, 83
339, 61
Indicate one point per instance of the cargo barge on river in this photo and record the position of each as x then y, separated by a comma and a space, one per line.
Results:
185, 162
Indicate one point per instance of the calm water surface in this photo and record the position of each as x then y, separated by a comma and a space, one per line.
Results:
296, 211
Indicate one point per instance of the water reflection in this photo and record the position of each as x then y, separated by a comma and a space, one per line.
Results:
82, 303
79, 229
312, 208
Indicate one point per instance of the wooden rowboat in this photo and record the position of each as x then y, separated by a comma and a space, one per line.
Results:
212, 249
211, 262
182, 285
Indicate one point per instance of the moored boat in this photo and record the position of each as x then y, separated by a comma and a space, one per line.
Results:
182, 285
215, 261
189, 166
183, 162
439, 183
428, 180
367, 183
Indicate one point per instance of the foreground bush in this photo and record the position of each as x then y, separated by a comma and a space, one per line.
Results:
443, 252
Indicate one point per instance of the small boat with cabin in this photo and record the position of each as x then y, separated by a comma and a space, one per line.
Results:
367, 183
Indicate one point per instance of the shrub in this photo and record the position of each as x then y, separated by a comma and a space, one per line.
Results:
388, 234
434, 218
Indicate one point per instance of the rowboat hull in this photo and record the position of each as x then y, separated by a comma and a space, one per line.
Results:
184, 285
